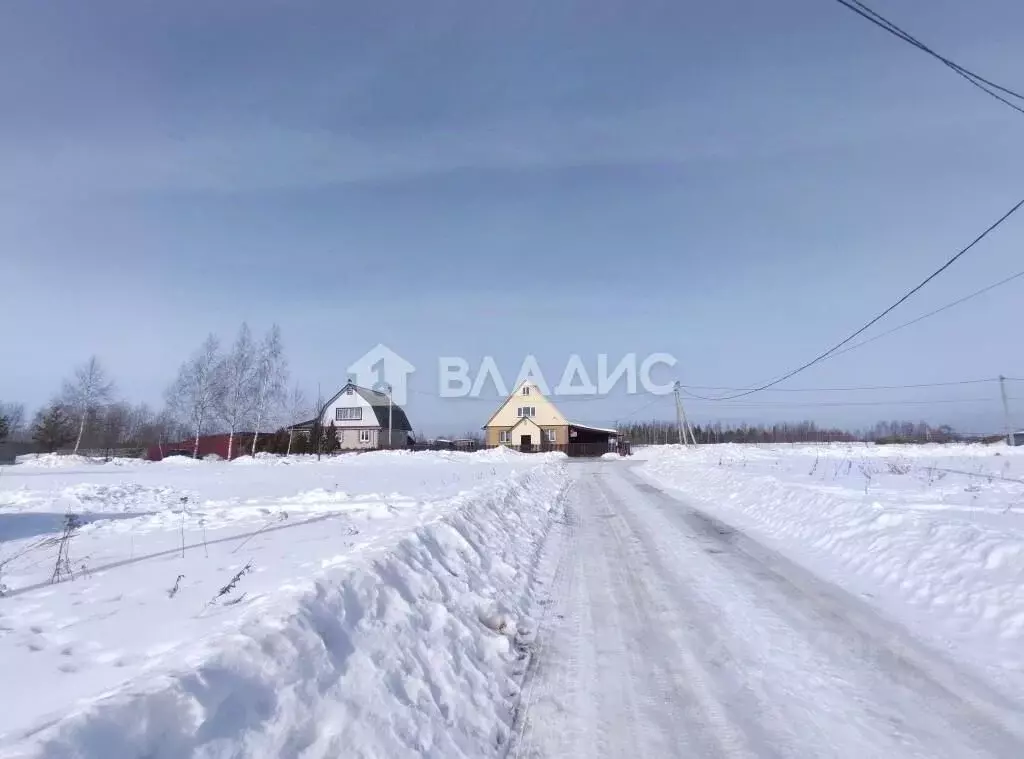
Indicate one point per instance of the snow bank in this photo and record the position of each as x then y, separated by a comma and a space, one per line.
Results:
262, 458
181, 461
55, 460
72, 461
935, 534
388, 628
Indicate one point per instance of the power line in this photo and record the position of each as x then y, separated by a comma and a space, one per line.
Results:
822, 356
687, 388
939, 310
646, 405
888, 332
977, 80
502, 398
810, 404
903, 34
850, 389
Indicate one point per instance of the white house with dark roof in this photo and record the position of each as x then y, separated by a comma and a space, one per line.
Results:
362, 419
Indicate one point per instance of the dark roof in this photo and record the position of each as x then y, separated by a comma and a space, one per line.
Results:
378, 402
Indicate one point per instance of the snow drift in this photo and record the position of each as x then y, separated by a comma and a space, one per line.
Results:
411, 646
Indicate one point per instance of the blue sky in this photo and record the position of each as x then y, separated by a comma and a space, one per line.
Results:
738, 184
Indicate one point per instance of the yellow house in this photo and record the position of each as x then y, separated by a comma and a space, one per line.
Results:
527, 420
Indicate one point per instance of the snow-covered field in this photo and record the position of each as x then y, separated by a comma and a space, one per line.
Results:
932, 534
365, 605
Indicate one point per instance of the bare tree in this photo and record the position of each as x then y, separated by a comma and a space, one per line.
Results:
236, 374
297, 410
194, 395
161, 428
271, 376
113, 428
12, 420
139, 417
85, 392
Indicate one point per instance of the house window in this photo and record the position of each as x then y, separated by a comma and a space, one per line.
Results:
550, 435
364, 435
348, 414
505, 436
526, 411
526, 389
349, 390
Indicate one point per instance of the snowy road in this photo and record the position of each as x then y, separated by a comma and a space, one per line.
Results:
672, 635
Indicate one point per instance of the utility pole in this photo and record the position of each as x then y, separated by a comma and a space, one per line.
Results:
1006, 408
681, 421
319, 421
390, 439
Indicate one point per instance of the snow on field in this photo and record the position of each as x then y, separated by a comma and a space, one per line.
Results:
933, 533
370, 605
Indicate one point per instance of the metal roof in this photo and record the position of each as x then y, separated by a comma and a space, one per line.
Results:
378, 402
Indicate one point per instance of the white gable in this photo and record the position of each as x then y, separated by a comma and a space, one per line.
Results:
355, 411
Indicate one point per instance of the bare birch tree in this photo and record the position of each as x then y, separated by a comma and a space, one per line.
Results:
84, 393
271, 376
236, 374
194, 395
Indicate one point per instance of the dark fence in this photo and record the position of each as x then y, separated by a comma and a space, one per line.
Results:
10, 450
133, 452
592, 449
446, 446
572, 449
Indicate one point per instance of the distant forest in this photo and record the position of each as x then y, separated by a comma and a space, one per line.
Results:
659, 432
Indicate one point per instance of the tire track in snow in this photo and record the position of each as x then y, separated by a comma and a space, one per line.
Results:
613, 685
560, 542
690, 684
847, 654
703, 648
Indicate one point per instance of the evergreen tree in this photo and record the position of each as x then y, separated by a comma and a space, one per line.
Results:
278, 442
329, 442
53, 428
301, 444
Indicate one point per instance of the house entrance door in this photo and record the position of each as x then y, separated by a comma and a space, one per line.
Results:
526, 443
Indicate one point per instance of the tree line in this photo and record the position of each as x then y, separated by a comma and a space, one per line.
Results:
241, 388
657, 432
